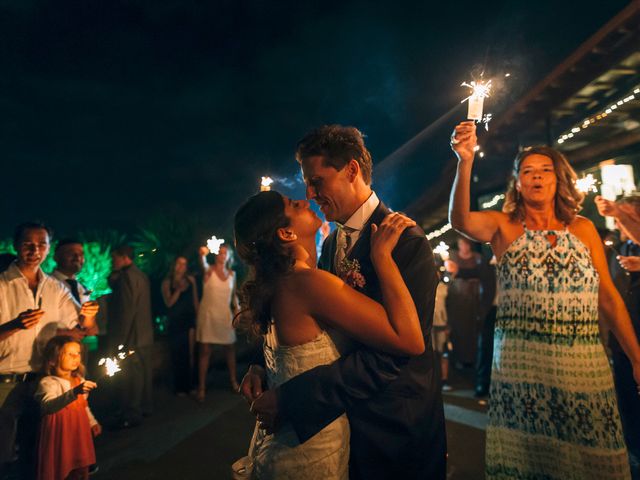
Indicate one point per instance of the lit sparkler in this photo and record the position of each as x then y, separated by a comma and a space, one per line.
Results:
214, 243
587, 184
265, 184
479, 91
443, 250
112, 364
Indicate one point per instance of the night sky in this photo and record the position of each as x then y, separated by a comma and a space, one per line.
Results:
114, 112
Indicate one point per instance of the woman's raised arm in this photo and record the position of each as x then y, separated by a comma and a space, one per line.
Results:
479, 226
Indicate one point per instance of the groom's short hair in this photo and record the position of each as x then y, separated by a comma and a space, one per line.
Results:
338, 145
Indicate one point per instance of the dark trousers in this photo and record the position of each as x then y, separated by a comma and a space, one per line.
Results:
136, 384
629, 406
19, 421
485, 351
183, 373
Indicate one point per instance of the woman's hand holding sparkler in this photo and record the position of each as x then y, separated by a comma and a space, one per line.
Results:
84, 387
606, 208
464, 141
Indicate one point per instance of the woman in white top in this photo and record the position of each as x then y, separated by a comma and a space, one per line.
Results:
215, 316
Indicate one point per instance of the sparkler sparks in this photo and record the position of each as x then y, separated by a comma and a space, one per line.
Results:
587, 184
111, 364
265, 184
479, 91
214, 243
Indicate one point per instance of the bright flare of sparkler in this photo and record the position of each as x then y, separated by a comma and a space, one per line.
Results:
479, 91
112, 364
587, 184
265, 184
443, 250
214, 243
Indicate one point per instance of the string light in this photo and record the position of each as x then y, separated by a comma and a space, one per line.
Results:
587, 122
493, 202
439, 232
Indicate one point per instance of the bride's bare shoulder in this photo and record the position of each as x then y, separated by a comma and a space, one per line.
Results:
312, 278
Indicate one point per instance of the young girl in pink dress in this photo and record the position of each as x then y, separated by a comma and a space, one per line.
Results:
65, 446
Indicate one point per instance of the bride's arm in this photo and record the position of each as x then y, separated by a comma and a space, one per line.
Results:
394, 327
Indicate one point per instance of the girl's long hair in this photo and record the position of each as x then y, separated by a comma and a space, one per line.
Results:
568, 199
256, 225
52, 352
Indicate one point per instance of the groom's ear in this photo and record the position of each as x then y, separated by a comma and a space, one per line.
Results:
286, 235
352, 169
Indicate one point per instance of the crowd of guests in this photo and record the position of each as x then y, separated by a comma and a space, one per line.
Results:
528, 319
47, 370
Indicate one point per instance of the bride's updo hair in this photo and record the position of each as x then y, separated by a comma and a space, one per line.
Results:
256, 227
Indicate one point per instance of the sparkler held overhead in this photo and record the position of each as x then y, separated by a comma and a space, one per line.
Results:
587, 184
479, 91
214, 243
265, 184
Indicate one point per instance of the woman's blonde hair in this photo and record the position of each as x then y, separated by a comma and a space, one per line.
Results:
568, 200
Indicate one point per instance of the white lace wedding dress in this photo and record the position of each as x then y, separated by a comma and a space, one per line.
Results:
280, 455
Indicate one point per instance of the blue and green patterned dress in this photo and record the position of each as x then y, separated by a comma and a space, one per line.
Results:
553, 412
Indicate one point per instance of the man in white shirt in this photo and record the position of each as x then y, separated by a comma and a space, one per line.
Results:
33, 308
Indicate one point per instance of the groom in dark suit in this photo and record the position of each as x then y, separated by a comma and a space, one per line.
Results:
393, 403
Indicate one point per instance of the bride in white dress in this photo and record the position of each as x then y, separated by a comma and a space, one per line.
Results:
292, 304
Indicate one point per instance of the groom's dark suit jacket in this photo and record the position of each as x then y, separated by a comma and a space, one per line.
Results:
393, 403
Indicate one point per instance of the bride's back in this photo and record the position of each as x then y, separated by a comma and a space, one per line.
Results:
294, 325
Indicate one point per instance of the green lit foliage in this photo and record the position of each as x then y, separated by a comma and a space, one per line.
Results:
161, 240
97, 266
97, 259
6, 246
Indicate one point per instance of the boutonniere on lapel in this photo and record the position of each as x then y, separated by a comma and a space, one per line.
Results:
350, 273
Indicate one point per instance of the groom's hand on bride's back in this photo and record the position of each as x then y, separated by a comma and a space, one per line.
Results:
252, 384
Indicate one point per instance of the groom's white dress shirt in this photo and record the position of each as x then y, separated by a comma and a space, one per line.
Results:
353, 226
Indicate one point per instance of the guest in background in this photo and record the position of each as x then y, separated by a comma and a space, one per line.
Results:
488, 311
625, 272
69, 257
552, 411
214, 320
33, 309
130, 325
65, 447
464, 302
440, 332
180, 296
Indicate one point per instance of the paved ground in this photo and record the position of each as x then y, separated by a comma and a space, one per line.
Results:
187, 441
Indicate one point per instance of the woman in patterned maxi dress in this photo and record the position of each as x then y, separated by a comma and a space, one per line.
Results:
552, 412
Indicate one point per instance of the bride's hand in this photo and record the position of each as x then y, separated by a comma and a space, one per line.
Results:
384, 238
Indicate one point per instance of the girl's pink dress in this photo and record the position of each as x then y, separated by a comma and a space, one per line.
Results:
66, 442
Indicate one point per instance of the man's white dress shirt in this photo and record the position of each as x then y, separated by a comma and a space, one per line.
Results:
22, 351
